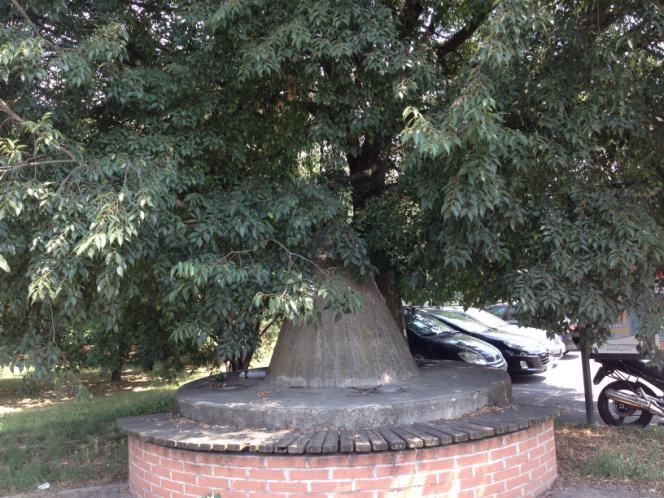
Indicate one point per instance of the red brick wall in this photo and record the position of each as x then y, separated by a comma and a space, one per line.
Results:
518, 464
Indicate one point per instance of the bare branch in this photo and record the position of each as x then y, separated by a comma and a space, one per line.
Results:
290, 254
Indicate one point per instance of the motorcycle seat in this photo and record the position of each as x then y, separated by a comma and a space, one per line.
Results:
646, 369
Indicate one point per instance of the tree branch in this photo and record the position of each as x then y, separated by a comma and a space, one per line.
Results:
367, 157
266, 328
461, 36
410, 15
27, 164
4, 107
27, 19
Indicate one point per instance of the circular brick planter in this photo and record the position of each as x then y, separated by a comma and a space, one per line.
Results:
512, 461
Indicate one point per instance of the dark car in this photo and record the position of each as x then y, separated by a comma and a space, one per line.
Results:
429, 338
523, 355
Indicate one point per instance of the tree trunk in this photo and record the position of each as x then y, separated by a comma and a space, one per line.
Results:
367, 174
116, 374
367, 179
239, 363
387, 285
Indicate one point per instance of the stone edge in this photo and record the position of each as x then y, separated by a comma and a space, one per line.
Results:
492, 389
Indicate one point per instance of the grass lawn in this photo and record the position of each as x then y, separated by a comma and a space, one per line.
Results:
624, 456
67, 442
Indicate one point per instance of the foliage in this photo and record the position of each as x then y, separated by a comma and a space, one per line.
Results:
172, 173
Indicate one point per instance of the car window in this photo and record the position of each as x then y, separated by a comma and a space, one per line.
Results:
456, 315
460, 320
425, 326
499, 311
488, 319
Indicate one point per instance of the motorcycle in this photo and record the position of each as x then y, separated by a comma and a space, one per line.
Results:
630, 400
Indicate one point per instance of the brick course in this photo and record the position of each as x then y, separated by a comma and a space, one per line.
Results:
520, 464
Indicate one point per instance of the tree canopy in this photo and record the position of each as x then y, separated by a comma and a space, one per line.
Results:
171, 172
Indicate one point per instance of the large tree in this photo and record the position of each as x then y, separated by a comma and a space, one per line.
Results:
173, 174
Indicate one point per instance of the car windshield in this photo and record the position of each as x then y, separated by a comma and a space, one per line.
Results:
486, 318
460, 320
498, 310
425, 326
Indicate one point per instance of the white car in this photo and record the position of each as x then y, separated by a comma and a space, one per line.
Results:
555, 345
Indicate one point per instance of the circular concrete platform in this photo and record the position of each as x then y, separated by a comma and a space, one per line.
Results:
443, 390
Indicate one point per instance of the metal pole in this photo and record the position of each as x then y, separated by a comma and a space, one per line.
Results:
587, 386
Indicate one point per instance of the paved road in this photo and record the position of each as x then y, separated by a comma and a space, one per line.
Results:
561, 388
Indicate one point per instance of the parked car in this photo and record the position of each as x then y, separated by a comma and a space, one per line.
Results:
505, 312
523, 354
555, 344
432, 339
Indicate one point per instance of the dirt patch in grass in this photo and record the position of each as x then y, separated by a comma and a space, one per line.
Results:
609, 456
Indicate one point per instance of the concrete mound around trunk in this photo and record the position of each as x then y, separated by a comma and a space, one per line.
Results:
362, 349
442, 390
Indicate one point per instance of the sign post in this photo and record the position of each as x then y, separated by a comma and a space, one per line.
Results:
587, 386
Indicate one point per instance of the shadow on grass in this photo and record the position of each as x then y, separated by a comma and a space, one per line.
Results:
72, 443
12, 399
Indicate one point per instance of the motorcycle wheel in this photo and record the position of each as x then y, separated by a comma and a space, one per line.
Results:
615, 413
